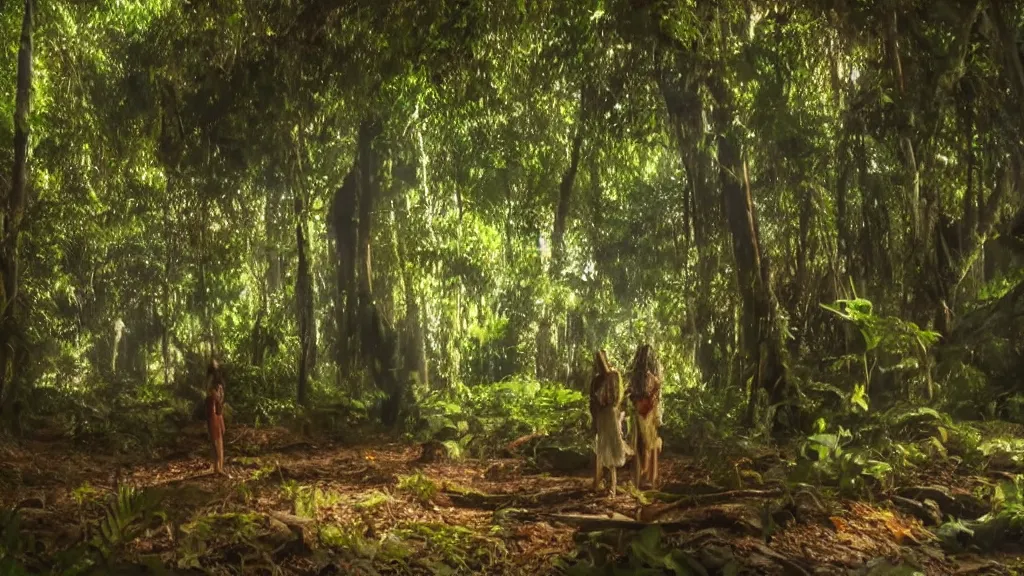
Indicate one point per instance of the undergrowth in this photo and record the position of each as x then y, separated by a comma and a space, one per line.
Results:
480, 420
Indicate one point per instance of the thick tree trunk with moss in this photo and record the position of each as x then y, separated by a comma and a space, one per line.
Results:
704, 209
761, 339
378, 339
344, 232
12, 224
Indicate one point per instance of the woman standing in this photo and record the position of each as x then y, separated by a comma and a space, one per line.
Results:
215, 414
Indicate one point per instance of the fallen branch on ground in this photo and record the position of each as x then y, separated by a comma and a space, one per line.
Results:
480, 500
515, 444
654, 511
699, 520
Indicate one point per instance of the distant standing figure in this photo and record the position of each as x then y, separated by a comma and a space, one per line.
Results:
215, 414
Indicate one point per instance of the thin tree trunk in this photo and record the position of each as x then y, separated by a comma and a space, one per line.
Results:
304, 303
204, 239
414, 349
844, 238
564, 203
271, 282
303, 286
165, 284
273, 233
804, 256
871, 235
368, 184
547, 360
12, 223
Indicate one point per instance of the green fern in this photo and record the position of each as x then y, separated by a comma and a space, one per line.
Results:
126, 517
422, 487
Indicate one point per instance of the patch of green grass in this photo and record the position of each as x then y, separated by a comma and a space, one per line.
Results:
204, 531
457, 547
307, 500
351, 540
247, 461
419, 485
372, 500
85, 494
460, 489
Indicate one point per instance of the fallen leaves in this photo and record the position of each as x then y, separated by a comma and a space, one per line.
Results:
355, 502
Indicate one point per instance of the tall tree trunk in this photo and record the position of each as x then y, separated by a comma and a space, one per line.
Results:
368, 186
843, 267
547, 354
273, 231
304, 297
844, 238
169, 152
685, 107
378, 339
343, 224
564, 203
304, 303
804, 258
761, 340
204, 291
12, 223
270, 284
414, 350
165, 283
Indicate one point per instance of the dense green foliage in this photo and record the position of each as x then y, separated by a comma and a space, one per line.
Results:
386, 208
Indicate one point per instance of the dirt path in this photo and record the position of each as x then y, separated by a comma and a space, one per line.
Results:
315, 508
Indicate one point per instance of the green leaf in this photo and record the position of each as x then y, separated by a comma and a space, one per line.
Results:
877, 469
646, 544
682, 564
820, 425
859, 397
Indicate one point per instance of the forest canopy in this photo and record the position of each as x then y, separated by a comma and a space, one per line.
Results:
426, 219
807, 203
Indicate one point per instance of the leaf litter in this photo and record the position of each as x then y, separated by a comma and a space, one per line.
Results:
292, 506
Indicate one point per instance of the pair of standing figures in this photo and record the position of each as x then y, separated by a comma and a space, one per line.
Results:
607, 414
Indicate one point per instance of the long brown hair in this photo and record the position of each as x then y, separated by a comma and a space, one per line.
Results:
645, 360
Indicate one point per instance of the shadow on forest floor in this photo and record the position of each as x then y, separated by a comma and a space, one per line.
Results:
299, 507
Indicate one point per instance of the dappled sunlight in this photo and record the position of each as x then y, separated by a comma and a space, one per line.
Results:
477, 287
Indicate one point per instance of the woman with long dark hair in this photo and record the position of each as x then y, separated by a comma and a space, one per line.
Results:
215, 414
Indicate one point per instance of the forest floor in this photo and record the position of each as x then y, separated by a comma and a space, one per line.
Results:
295, 506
